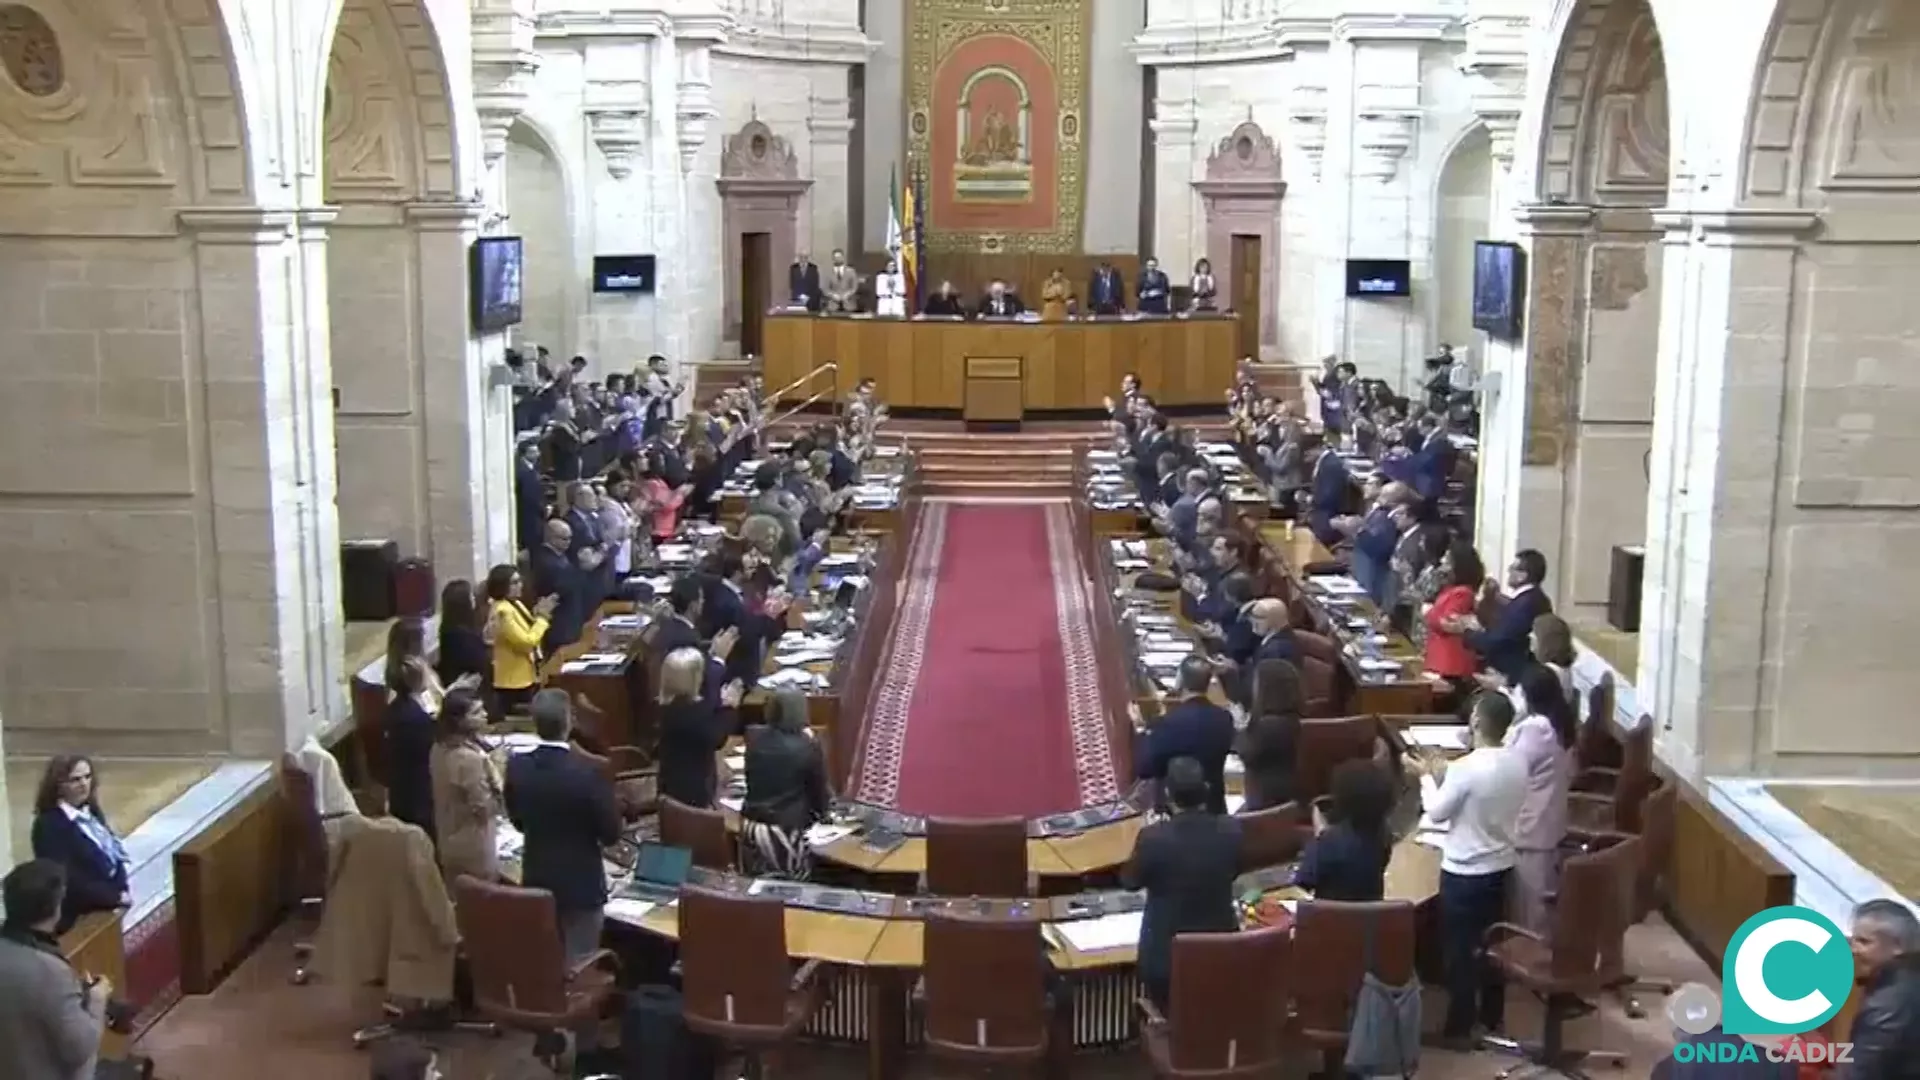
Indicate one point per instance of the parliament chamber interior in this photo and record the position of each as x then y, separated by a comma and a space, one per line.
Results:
811, 538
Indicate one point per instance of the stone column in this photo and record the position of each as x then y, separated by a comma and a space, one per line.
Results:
277, 669
619, 107
1526, 424
468, 411
311, 226
1174, 126
830, 130
1720, 396
505, 60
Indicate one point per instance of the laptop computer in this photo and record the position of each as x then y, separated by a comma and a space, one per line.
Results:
658, 872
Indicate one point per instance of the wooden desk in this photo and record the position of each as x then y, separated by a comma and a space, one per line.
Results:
1063, 366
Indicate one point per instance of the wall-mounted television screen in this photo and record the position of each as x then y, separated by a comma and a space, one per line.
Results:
1379, 277
623, 273
494, 271
1499, 288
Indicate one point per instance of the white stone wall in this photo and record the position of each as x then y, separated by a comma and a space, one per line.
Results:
542, 214
1367, 110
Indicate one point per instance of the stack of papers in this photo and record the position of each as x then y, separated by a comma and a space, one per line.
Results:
1438, 736
788, 678
629, 911
823, 834
1121, 931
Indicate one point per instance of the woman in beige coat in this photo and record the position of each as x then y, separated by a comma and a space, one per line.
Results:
466, 791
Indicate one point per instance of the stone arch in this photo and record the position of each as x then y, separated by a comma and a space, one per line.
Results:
1462, 201
386, 115
1604, 125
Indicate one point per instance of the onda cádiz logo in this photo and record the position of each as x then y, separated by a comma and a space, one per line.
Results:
1787, 971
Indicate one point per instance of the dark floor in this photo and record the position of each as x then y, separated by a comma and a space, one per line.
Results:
257, 1024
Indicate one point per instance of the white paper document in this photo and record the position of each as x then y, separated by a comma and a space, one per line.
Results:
1121, 931
629, 911
823, 834
729, 802
1438, 736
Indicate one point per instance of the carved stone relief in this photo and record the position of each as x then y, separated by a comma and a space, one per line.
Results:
365, 123
1875, 140
1619, 275
1629, 148
756, 153
79, 100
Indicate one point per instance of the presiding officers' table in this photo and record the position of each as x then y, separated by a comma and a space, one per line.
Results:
1002, 365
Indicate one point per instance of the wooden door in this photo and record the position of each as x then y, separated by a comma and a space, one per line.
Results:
756, 289
1245, 271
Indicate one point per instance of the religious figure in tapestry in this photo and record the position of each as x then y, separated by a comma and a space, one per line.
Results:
995, 163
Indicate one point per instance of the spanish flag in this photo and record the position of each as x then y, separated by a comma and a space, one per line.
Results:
903, 234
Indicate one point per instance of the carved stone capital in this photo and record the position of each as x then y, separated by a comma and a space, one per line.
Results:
619, 129
1174, 127
1381, 138
1553, 219
830, 130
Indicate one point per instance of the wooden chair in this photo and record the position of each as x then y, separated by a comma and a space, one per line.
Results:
1650, 884
518, 967
1273, 836
977, 857
1325, 745
1611, 799
737, 984
1330, 940
985, 996
1229, 996
1570, 964
1599, 743
701, 831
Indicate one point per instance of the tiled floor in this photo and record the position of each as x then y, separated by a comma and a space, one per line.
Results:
257, 1018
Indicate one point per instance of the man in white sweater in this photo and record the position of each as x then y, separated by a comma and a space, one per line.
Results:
1476, 800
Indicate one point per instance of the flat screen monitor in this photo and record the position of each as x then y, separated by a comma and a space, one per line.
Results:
1499, 288
494, 267
1379, 277
623, 273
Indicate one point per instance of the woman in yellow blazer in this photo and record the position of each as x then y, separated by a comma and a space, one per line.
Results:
515, 631
1055, 295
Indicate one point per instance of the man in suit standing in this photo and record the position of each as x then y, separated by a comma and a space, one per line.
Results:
556, 574
1153, 290
842, 286
1326, 494
1106, 293
1193, 728
803, 283
529, 500
564, 807
1506, 646
1186, 864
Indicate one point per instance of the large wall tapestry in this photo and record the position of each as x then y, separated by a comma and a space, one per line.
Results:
997, 94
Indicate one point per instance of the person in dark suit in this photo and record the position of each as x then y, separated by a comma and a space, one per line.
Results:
1268, 746
945, 303
1000, 302
787, 790
1186, 864
1192, 728
464, 654
1326, 494
1106, 293
409, 734
556, 574
1506, 645
1886, 1031
1269, 619
1154, 289
564, 808
803, 283
692, 728
529, 499
69, 829
1347, 859
726, 608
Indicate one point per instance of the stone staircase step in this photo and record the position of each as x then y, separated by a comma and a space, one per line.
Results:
1000, 486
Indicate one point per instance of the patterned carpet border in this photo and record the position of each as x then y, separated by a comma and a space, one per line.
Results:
1086, 713
885, 744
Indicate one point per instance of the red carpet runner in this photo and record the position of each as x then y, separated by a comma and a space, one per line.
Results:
989, 697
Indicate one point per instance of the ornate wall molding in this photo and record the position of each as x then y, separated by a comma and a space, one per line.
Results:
1241, 196
1307, 125
364, 115
760, 191
1872, 138
766, 30
80, 105
694, 107
505, 60
1382, 137
1495, 63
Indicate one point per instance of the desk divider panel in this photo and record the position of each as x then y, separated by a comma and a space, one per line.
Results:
231, 888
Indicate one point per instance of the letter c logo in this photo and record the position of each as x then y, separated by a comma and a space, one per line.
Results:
1749, 971
1787, 971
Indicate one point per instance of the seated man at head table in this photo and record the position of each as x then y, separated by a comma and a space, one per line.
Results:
1187, 864
1477, 801
944, 303
1191, 728
564, 807
1347, 859
1000, 302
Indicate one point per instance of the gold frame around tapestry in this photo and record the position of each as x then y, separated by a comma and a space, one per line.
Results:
1059, 32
